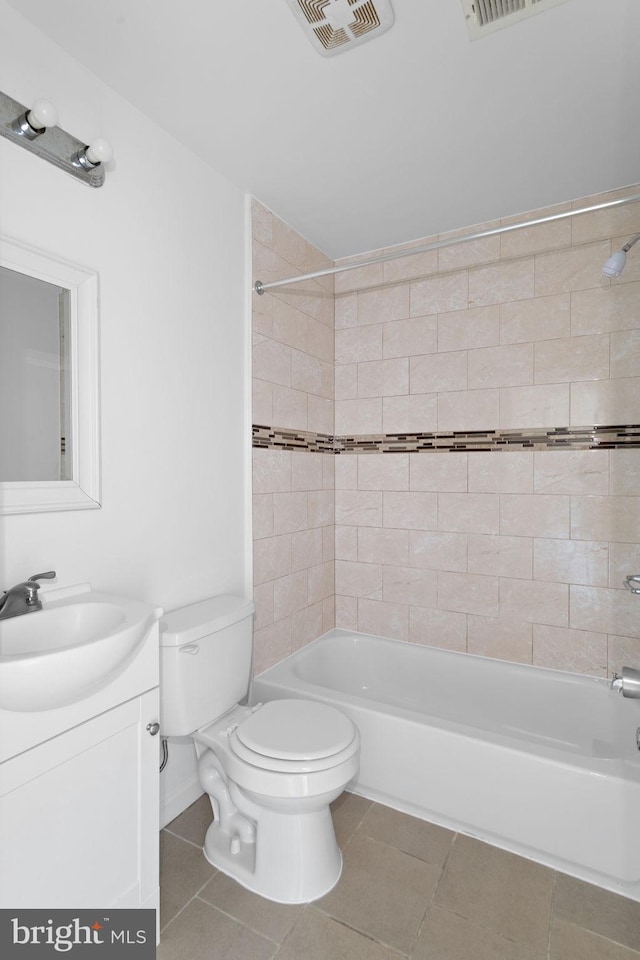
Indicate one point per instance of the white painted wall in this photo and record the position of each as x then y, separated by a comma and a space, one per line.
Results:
166, 236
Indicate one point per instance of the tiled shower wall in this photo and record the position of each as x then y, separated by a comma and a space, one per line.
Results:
293, 493
515, 554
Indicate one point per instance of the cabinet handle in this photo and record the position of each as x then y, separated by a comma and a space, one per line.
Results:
153, 728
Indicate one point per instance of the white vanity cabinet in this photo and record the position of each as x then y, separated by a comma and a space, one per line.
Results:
79, 806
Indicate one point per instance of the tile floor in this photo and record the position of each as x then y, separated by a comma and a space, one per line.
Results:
408, 889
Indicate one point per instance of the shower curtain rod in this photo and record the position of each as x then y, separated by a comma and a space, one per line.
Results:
260, 287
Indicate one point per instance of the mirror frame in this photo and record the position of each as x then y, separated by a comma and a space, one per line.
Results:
83, 491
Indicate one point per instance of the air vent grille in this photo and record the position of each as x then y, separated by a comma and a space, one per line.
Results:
485, 16
336, 25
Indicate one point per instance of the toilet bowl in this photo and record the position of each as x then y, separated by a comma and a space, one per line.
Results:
270, 770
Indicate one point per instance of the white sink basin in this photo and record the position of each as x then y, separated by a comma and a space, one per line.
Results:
68, 650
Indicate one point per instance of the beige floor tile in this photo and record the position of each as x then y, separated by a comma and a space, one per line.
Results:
348, 812
498, 890
569, 942
192, 824
610, 916
382, 892
446, 936
318, 937
416, 837
272, 920
201, 932
183, 871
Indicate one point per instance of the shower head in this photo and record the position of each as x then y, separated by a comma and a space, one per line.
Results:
618, 260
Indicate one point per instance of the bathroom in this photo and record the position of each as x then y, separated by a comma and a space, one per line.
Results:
176, 397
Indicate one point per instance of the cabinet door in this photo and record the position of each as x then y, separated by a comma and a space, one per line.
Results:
79, 815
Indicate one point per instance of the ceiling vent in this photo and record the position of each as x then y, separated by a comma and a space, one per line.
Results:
336, 25
486, 16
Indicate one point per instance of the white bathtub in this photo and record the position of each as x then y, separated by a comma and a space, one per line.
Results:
540, 762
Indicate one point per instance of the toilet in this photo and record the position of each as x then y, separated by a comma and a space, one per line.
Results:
271, 770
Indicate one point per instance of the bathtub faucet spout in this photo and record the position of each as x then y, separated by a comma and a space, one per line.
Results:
628, 683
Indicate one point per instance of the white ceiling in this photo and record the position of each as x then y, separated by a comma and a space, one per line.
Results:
417, 132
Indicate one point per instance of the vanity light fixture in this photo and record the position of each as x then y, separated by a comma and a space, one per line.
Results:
616, 263
36, 129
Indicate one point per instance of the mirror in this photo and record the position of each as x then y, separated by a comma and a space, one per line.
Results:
49, 424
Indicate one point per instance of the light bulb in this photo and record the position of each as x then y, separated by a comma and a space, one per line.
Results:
615, 264
42, 115
100, 151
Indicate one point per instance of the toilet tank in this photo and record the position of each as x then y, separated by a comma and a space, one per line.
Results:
205, 662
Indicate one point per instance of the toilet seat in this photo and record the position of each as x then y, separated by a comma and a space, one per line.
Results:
292, 736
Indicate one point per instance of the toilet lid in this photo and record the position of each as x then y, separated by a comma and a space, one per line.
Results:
296, 730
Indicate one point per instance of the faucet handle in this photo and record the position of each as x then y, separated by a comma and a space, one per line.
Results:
49, 575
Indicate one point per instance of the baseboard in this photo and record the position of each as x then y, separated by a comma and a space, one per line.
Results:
178, 801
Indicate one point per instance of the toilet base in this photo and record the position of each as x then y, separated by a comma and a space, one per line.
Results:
294, 858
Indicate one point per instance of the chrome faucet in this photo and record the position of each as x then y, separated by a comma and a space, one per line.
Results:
628, 682
23, 598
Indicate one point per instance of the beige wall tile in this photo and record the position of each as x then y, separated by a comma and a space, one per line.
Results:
501, 473
445, 472
289, 594
359, 508
355, 579
602, 224
571, 471
383, 378
470, 253
320, 414
383, 304
605, 309
320, 504
262, 402
468, 410
411, 267
307, 624
359, 344
502, 639
346, 381
271, 471
408, 338
623, 651
311, 374
347, 613
534, 602
328, 542
440, 294
576, 650
544, 236
414, 413
306, 471
543, 318
306, 548
577, 268
576, 358
418, 587
358, 416
465, 329
433, 550
271, 558
383, 619
271, 360
346, 311
263, 599
346, 544
410, 511
624, 467
606, 611
262, 515
571, 561
624, 561
383, 472
605, 401
507, 366
359, 278
469, 512
288, 325
500, 556
606, 518
541, 406
320, 581
320, 340
625, 353
468, 593
289, 408
271, 644
346, 472
501, 283
530, 515
439, 372
380, 545
438, 628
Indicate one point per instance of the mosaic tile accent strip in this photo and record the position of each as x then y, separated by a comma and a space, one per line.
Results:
554, 438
